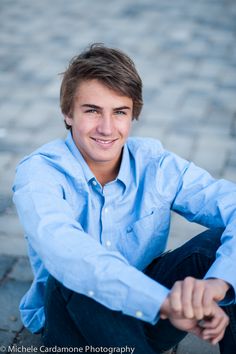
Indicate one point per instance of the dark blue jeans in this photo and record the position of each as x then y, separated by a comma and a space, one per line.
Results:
75, 320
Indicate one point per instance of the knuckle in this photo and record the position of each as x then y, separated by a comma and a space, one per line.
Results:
199, 285
197, 307
189, 280
176, 286
186, 303
174, 295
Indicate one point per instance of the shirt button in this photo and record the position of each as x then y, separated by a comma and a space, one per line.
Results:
139, 314
91, 292
94, 183
108, 243
106, 210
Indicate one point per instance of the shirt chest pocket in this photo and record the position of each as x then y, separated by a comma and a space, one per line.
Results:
146, 238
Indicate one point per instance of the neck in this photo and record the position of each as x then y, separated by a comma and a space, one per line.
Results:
105, 173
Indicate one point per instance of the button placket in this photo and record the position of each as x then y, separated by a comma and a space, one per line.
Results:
108, 243
107, 224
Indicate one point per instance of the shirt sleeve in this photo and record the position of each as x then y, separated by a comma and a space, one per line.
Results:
71, 255
212, 203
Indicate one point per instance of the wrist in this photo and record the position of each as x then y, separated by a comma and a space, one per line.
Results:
222, 283
165, 309
220, 287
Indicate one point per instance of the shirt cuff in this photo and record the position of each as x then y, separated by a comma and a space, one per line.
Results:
217, 270
146, 305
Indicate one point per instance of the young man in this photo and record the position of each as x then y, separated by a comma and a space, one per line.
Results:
96, 213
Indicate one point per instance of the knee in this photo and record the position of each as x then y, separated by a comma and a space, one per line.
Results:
207, 242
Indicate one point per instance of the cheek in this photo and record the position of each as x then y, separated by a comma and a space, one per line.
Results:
125, 128
83, 128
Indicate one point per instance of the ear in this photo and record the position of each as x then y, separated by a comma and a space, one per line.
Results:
68, 120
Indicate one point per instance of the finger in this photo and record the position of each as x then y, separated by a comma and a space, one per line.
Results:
197, 331
217, 339
163, 317
219, 329
197, 300
207, 302
175, 297
188, 286
220, 325
218, 315
210, 322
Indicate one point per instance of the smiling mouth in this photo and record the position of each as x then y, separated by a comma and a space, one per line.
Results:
103, 141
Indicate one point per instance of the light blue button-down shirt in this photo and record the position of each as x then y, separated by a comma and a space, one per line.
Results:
97, 240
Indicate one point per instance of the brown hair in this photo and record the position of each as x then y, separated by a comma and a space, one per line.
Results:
111, 67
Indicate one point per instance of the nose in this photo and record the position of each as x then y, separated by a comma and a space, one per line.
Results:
105, 125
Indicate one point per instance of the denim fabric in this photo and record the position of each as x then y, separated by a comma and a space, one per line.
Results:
75, 320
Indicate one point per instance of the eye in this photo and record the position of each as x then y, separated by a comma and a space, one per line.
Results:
120, 113
91, 110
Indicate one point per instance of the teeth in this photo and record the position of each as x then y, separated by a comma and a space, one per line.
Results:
104, 141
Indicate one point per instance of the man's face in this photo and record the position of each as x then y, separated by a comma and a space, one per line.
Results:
100, 122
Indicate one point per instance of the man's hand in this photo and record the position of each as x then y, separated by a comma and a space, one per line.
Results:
194, 298
211, 328
191, 306
178, 320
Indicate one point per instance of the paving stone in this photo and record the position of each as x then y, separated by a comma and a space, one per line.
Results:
227, 95
214, 131
181, 231
233, 126
6, 263
194, 105
5, 158
10, 109
170, 97
35, 116
228, 77
16, 140
13, 245
10, 296
193, 345
5, 202
145, 130
180, 145
211, 159
6, 339
27, 339
21, 270
230, 174
211, 69
196, 83
215, 143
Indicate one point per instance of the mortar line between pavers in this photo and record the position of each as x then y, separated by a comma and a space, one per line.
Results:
8, 271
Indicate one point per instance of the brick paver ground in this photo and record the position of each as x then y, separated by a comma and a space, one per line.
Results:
186, 54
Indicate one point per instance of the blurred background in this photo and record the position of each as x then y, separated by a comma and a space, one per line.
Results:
185, 52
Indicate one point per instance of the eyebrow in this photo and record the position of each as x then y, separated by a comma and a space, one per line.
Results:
90, 106
122, 107
94, 106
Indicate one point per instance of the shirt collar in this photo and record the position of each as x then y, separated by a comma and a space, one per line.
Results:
124, 174
79, 157
125, 168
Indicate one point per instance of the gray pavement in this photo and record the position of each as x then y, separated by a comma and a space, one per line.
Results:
185, 52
